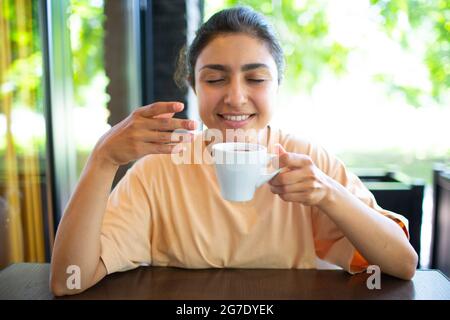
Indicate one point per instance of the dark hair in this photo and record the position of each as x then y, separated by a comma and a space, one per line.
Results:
240, 19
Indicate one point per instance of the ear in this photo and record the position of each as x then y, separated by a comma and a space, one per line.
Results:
191, 82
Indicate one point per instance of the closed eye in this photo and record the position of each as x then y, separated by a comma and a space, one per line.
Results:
256, 80
214, 80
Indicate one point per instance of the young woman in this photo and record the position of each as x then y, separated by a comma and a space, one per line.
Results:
168, 214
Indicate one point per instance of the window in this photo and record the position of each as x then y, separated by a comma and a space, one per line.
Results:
23, 205
90, 113
60, 90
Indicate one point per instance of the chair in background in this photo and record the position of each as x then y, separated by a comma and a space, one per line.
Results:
441, 225
400, 194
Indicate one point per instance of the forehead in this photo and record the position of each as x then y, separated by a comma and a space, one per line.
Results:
235, 50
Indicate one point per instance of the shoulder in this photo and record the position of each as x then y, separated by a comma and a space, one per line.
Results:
297, 144
150, 161
292, 142
322, 158
150, 167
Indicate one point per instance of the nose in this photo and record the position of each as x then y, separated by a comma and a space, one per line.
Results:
236, 95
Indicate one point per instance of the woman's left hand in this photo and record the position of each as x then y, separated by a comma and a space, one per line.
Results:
301, 181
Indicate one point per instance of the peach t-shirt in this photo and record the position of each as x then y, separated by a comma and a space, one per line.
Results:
167, 214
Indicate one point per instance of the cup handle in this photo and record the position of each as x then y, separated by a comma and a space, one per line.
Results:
265, 177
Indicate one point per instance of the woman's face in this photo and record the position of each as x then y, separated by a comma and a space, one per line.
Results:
236, 82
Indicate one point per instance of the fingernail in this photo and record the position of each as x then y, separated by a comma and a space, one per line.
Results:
277, 148
178, 106
275, 162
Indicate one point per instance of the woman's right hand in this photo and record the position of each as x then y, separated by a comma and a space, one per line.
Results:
147, 130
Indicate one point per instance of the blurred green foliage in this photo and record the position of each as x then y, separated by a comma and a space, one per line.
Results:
434, 17
23, 77
87, 33
21, 83
303, 30
395, 160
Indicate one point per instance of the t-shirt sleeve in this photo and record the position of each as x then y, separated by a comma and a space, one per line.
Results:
125, 233
330, 243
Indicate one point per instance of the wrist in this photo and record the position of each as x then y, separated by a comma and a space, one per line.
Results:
98, 161
333, 193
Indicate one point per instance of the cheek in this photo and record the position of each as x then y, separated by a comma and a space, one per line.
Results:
207, 100
266, 100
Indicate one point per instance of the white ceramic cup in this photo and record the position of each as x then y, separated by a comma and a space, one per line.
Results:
241, 168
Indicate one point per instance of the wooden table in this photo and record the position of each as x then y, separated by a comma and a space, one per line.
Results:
30, 281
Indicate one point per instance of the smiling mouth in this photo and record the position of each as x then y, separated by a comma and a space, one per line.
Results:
237, 117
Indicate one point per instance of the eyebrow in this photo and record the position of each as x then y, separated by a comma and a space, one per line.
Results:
245, 67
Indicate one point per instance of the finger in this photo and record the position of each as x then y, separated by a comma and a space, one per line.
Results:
164, 115
304, 186
169, 124
159, 108
166, 137
279, 149
158, 148
280, 152
301, 197
289, 177
294, 160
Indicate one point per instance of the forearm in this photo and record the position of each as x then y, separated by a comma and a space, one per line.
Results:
78, 238
378, 238
148, 130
